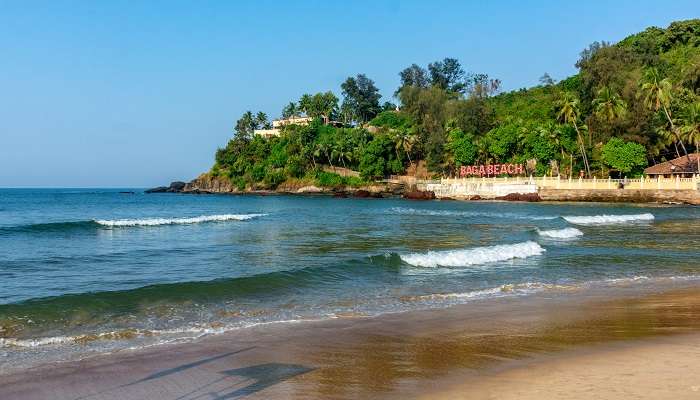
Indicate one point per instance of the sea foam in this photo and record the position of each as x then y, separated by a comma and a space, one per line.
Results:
475, 256
566, 233
608, 219
468, 214
172, 221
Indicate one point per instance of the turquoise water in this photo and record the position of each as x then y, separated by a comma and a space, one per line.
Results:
88, 270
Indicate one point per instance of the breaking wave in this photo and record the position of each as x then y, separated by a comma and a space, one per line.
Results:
452, 213
475, 256
608, 219
173, 221
566, 233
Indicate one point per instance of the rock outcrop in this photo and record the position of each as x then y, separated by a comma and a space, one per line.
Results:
520, 197
419, 195
175, 187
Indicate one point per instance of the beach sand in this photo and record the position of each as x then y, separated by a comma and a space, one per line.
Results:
567, 346
659, 369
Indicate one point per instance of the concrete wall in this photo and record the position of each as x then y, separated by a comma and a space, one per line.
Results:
485, 190
622, 195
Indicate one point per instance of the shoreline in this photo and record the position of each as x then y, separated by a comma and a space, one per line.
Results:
404, 355
212, 185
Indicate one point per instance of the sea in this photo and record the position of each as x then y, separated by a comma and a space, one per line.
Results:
94, 271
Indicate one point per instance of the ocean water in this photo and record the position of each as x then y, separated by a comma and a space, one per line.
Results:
85, 271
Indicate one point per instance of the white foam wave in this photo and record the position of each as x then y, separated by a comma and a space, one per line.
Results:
173, 221
454, 213
608, 219
475, 256
566, 233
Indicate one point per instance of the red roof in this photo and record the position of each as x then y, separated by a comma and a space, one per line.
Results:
679, 165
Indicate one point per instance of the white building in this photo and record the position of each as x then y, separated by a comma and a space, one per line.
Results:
278, 124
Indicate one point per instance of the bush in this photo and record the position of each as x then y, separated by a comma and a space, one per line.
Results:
274, 179
391, 119
626, 157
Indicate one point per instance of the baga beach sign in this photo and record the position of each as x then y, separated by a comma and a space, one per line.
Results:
491, 169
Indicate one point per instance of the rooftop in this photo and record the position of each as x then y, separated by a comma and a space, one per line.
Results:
679, 165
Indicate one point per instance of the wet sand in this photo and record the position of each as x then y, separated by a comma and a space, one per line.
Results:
562, 346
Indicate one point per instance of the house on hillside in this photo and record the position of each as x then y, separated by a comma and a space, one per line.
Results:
278, 124
682, 167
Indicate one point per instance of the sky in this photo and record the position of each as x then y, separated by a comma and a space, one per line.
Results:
139, 94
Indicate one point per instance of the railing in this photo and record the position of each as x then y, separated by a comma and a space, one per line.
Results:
675, 183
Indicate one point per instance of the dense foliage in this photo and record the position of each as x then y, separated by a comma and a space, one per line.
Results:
631, 104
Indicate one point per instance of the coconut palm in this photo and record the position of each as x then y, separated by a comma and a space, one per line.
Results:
690, 128
552, 133
657, 96
569, 113
323, 149
404, 141
608, 105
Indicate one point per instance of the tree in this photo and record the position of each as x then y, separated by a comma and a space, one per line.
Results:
448, 75
413, 76
404, 140
261, 121
246, 125
361, 98
608, 105
290, 110
377, 158
569, 113
657, 95
319, 105
546, 80
388, 106
462, 146
481, 86
690, 127
624, 156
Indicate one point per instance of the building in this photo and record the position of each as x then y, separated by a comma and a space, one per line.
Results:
681, 167
278, 124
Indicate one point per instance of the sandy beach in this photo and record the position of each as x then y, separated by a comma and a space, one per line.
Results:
568, 346
659, 369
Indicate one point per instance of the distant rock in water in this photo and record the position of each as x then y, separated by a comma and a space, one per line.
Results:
420, 195
520, 197
175, 187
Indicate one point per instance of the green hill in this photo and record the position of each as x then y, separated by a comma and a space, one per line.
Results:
631, 104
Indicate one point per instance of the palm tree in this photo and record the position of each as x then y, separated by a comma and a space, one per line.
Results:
404, 141
569, 113
690, 128
657, 95
553, 134
325, 150
608, 105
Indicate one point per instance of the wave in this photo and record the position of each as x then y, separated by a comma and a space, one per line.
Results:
608, 219
174, 221
67, 311
566, 233
475, 256
196, 330
452, 213
68, 226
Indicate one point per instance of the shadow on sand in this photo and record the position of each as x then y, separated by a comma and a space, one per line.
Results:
265, 375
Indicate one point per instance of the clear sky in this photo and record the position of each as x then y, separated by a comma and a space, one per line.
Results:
137, 94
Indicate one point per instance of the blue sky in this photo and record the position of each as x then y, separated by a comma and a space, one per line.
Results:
136, 94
